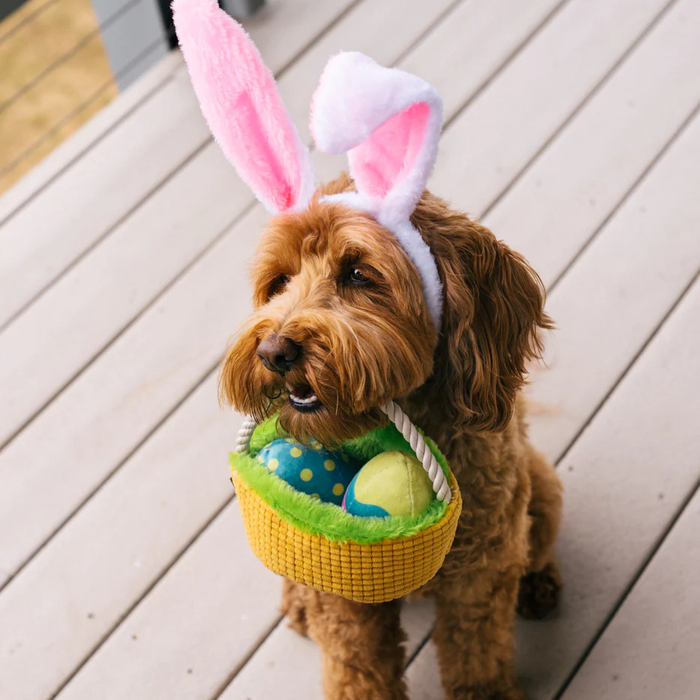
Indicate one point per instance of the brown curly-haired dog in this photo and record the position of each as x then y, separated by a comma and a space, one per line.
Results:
339, 313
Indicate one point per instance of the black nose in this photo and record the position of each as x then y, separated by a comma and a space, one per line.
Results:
278, 354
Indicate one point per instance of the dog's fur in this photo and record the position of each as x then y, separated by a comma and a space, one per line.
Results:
364, 345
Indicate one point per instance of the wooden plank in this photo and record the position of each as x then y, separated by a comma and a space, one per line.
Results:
205, 192
649, 650
550, 212
473, 35
118, 544
472, 42
61, 366
228, 294
515, 115
68, 152
107, 183
88, 307
199, 285
606, 308
286, 661
124, 524
183, 639
620, 287
83, 300
622, 490
91, 428
81, 206
24, 400
674, 40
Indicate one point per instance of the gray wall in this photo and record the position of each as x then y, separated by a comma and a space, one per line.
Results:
133, 35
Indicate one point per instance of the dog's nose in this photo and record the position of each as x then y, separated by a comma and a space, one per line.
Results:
278, 354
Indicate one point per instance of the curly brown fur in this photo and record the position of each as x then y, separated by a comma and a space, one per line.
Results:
362, 345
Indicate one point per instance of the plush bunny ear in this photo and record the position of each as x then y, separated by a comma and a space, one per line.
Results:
241, 103
387, 121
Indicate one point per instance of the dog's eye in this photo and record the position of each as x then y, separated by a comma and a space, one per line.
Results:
278, 284
356, 276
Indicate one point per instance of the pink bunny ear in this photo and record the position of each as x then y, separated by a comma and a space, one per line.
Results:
241, 103
388, 122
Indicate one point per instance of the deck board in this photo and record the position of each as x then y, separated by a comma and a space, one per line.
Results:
208, 285
641, 294
154, 649
571, 127
550, 214
153, 358
548, 82
623, 307
656, 629
137, 158
606, 314
102, 316
621, 494
273, 662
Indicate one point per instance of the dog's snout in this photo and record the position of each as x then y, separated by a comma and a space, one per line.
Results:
278, 354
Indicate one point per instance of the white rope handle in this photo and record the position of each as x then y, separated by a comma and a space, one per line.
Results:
405, 427
244, 435
418, 445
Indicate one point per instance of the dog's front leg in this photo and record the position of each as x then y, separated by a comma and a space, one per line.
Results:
474, 636
361, 645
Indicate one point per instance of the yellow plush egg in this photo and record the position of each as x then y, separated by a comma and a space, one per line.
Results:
392, 483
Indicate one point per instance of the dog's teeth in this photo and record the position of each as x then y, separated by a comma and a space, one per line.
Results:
309, 399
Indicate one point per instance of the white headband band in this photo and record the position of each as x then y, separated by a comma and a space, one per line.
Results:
387, 121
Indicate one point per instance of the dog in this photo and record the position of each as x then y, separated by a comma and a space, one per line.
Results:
370, 290
340, 319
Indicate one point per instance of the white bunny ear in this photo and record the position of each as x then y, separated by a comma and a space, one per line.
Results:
388, 122
241, 103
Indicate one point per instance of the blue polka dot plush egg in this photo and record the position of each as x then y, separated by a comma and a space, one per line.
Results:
311, 469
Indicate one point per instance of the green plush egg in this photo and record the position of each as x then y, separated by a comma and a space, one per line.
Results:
311, 469
392, 483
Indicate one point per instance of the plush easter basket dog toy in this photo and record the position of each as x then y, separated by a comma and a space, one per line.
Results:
388, 122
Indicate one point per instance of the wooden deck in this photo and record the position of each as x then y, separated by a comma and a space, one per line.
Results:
572, 129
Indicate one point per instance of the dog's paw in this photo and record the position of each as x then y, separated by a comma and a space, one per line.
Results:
538, 595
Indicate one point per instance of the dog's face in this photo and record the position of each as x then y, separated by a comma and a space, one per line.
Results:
340, 326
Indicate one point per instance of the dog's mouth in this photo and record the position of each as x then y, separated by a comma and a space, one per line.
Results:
303, 398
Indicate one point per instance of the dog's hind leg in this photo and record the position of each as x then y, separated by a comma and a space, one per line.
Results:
361, 646
539, 587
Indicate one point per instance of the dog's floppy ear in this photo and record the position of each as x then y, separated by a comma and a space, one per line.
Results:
388, 122
240, 102
494, 308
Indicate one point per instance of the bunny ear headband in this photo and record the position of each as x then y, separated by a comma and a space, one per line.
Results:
387, 121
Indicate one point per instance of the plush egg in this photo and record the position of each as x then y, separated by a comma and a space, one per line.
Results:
311, 469
392, 483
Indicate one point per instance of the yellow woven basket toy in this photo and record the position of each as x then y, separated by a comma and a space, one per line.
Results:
371, 560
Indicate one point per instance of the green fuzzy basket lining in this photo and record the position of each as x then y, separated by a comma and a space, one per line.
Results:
325, 519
